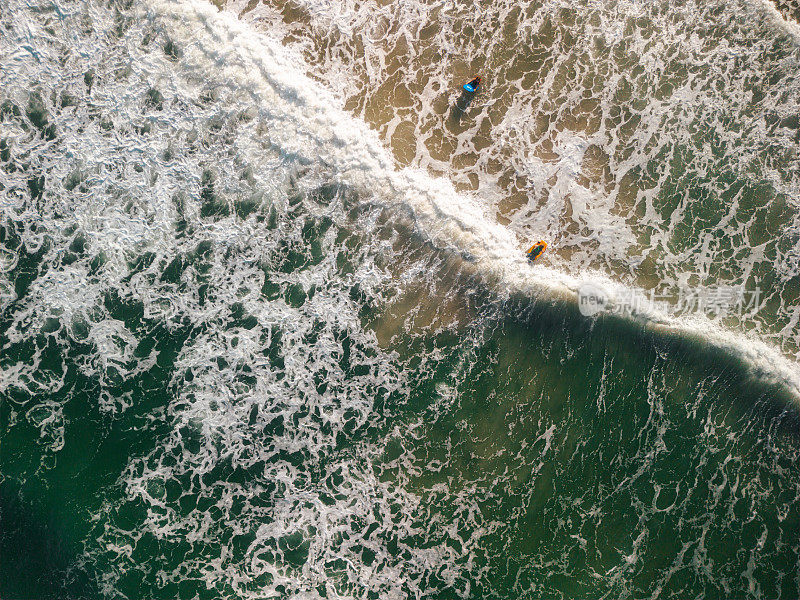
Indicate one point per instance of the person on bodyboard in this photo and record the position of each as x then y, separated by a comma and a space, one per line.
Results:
473, 85
536, 250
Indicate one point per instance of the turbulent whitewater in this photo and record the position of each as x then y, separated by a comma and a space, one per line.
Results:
265, 337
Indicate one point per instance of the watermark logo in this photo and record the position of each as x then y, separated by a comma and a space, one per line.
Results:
592, 299
716, 301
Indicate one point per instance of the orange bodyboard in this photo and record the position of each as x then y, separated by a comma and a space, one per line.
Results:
536, 250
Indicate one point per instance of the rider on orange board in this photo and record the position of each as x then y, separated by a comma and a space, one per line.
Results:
536, 250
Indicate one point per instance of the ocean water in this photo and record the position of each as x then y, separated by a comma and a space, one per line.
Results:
268, 330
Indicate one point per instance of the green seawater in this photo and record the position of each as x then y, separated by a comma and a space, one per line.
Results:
551, 456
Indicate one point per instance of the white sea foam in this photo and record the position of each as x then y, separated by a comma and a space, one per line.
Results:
261, 471
309, 124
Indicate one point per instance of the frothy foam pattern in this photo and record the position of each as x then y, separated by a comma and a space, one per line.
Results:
197, 240
678, 121
310, 118
161, 230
